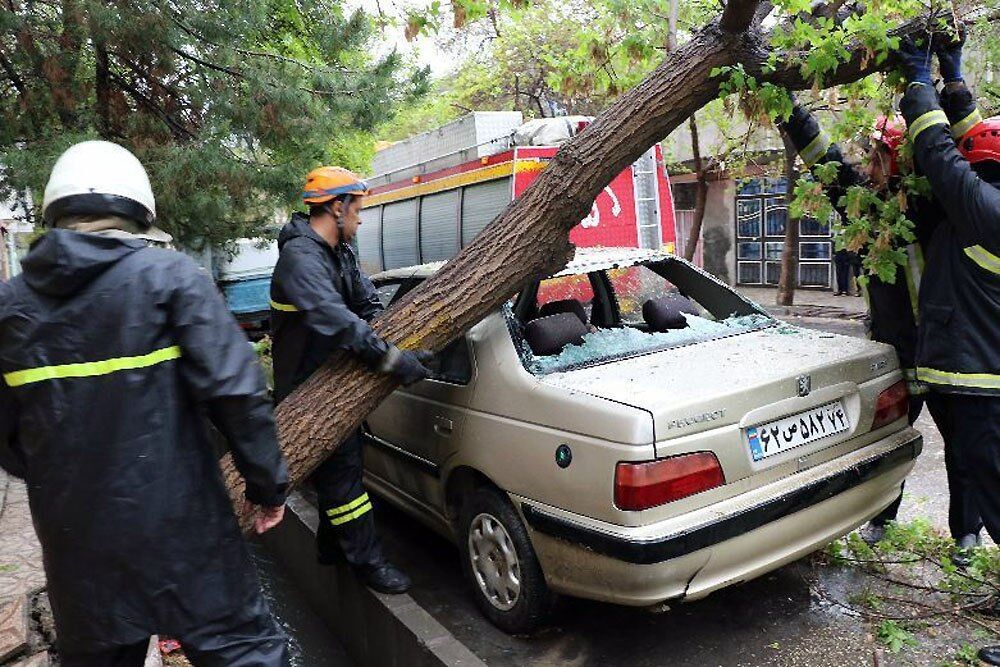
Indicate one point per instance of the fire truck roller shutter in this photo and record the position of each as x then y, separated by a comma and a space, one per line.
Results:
399, 234
439, 225
481, 203
370, 240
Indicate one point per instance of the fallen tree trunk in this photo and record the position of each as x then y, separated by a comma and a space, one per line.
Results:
530, 238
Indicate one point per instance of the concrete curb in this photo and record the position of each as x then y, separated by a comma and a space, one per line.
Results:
376, 629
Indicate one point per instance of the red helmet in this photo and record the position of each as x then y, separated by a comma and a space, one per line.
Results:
890, 132
982, 142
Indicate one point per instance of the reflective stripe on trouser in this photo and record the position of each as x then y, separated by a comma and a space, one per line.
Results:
347, 524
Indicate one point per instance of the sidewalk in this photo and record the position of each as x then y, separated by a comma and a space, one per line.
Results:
21, 577
808, 303
26, 626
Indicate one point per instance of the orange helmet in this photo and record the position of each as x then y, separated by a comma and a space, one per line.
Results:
324, 184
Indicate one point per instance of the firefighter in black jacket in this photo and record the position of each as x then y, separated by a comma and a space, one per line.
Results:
893, 310
958, 350
112, 352
322, 302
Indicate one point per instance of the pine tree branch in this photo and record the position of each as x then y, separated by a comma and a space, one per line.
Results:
309, 67
178, 130
15, 79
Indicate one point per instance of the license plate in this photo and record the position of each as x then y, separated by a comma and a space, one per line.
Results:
784, 434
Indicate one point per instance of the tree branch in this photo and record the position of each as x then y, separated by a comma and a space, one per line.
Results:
178, 130
8, 68
738, 15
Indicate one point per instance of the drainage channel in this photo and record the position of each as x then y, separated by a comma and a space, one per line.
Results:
311, 642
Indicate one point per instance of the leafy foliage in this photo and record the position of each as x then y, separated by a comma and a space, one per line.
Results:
227, 103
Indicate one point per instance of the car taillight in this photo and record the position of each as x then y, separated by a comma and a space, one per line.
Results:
892, 404
639, 486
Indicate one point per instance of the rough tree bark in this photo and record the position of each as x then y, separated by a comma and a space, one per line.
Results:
530, 238
790, 252
700, 194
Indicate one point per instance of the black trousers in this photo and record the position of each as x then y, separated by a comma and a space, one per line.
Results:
975, 428
963, 517
346, 523
845, 263
259, 643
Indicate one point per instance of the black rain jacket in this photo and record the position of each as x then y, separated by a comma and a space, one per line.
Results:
112, 354
893, 307
320, 302
959, 345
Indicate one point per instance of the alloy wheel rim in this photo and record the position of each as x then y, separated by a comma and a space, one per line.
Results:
495, 564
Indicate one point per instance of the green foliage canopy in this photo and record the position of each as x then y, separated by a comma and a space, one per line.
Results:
228, 103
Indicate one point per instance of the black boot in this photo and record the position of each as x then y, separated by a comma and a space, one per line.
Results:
385, 577
990, 655
962, 556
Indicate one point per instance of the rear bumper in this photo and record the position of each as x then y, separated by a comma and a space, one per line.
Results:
770, 526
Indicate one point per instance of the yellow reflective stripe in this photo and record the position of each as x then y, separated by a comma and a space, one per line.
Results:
360, 500
984, 258
959, 129
361, 511
284, 307
816, 149
971, 380
935, 117
91, 368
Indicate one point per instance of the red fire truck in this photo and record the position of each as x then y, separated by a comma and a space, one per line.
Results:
424, 210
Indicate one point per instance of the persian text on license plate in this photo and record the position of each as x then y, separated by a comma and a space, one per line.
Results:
784, 434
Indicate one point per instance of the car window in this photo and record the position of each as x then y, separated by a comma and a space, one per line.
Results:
453, 364
633, 286
663, 304
386, 291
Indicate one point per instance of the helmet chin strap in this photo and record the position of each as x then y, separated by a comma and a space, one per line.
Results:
339, 219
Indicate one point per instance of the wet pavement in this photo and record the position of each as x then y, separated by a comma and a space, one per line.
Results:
311, 642
793, 616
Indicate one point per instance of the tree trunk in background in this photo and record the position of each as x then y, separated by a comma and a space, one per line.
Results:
701, 193
790, 253
672, 26
530, 239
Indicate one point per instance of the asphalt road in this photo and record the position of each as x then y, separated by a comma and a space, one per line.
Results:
779, 619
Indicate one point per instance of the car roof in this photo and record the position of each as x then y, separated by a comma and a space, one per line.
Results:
585, 261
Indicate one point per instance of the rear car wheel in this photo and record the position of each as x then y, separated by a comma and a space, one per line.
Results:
500, 564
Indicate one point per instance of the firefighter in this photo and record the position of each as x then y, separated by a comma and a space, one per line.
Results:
893, 312
322, 302
111, 354
958, 350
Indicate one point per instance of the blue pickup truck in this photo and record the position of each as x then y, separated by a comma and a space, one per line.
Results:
243, 275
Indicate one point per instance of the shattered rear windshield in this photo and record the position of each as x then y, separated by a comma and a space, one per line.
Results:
652, 308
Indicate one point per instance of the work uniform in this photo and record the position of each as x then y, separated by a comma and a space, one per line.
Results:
893, 309
321, 302
112, 354
958, 348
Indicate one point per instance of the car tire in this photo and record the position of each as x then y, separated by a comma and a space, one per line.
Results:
492, 533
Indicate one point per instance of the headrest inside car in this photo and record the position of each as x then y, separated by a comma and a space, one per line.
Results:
563, 306
548, 335
667, 312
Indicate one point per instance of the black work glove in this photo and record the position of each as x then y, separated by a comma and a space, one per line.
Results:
915, 56
407, 366
948, 47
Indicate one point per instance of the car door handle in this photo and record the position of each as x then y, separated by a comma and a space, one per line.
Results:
443, 427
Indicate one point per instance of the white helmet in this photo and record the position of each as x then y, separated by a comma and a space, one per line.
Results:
99, 178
